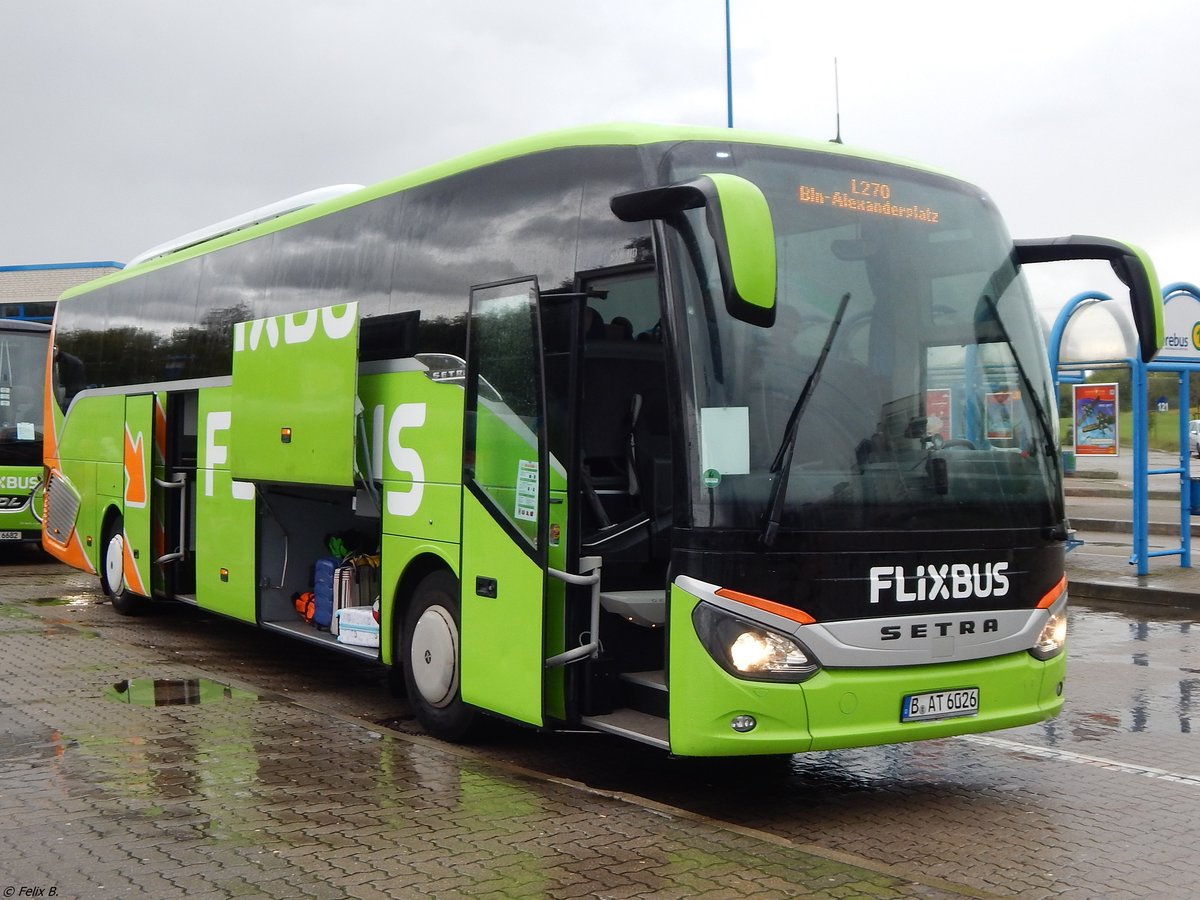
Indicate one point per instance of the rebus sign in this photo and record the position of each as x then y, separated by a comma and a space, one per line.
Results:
1181, 328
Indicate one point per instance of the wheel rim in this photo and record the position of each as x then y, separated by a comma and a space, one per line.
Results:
114, 564
433, 656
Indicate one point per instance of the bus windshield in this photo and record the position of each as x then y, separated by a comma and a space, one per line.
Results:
22, 379
931, 409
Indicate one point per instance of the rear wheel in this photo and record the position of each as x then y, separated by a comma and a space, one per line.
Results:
112, 571
433, 660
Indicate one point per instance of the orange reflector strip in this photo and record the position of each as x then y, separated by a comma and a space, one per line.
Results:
1055, 592
788, 612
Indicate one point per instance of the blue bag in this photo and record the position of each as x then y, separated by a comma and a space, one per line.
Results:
323, 572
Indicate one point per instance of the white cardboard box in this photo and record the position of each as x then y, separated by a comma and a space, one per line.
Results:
357, 625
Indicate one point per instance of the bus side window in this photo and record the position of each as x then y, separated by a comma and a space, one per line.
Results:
69, 377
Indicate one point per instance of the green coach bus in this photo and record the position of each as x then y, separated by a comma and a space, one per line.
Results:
23, 348
725, 442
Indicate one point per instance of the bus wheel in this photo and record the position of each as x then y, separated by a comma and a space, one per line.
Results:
112, 571
432, 658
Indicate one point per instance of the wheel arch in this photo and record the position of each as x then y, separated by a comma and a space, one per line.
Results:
111, 512
418, 568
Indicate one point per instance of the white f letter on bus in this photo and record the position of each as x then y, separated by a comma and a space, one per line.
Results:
403, 459
218, 454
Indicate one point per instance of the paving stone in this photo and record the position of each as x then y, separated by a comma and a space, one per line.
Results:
293, 801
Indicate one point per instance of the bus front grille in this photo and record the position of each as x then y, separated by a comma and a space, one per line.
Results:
62, 506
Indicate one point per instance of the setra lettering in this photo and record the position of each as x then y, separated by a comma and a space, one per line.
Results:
919, 630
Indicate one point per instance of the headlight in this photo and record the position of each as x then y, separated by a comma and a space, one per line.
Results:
749, 650
1054, 633
1053, 637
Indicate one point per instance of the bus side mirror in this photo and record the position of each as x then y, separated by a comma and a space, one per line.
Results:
1130, 264
739, 221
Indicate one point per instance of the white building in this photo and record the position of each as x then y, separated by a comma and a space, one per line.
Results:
29, 292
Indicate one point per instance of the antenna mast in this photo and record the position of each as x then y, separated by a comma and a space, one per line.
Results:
728, 66
837, 103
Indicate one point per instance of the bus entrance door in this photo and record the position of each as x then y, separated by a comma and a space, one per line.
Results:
506, 478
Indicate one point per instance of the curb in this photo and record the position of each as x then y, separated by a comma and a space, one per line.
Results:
1117, 493
1124, 526
1139, 595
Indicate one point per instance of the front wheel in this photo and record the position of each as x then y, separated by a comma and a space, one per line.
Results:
112, 571
433, 659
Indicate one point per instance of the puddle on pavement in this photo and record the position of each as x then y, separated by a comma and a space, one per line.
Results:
174, 692
1152, 688
65, 600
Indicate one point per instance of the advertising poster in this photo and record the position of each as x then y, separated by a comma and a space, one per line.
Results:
937, 411
998, 409
1095, 408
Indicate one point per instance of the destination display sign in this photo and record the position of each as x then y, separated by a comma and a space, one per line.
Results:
874, 198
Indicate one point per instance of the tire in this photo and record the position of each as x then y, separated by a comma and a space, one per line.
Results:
112, 571
432, 659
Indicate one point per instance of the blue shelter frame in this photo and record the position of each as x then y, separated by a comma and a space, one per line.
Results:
1182, 367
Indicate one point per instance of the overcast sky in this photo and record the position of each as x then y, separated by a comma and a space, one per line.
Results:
129, 122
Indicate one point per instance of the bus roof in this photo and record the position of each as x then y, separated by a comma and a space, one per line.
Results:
22, 325
615, 134
50, 267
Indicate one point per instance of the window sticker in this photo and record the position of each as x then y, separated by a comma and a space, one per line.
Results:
725, 440
527, 491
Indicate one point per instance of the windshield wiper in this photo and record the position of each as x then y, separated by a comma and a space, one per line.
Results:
781, 466
1060, 531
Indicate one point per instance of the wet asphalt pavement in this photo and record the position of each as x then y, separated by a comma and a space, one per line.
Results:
179, 753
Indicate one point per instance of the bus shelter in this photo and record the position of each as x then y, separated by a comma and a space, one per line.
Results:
1180, 356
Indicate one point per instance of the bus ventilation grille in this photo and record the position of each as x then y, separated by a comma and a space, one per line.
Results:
62, 506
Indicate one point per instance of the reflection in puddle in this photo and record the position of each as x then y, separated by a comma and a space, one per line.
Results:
86, 599
173, 691
1094, 726
1144, 665
64, 600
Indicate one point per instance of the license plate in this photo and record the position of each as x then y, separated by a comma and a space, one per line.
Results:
940, 705
10, 535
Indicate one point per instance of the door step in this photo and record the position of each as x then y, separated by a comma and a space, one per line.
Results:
634, 725
655, 681
644, 691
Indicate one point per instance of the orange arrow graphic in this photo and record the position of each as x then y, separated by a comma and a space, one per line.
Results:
135, 470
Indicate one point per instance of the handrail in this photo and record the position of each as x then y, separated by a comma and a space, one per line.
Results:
177, 484
590, 578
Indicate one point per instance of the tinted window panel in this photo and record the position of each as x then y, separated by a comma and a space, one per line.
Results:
413, 253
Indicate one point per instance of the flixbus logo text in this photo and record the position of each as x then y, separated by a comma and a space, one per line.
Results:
953, 581
336, 322
19, 482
